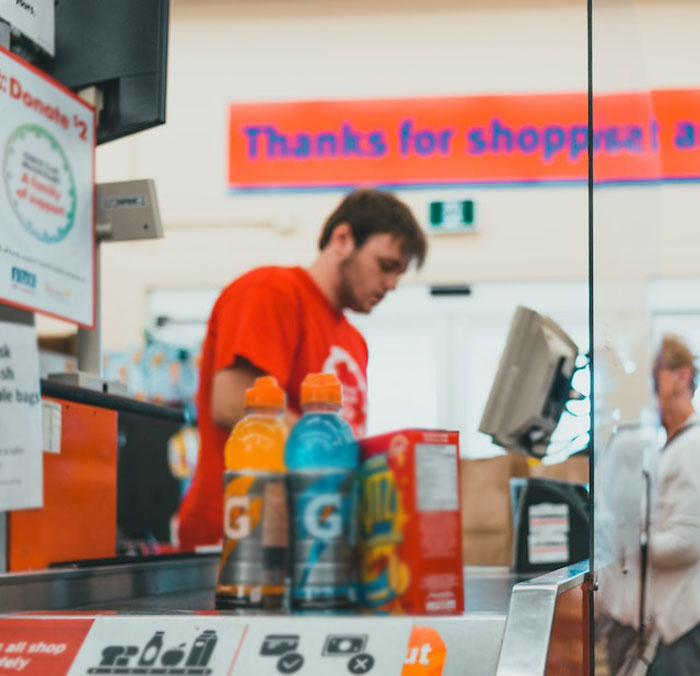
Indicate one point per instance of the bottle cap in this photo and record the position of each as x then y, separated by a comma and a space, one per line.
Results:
265, 392
321, 388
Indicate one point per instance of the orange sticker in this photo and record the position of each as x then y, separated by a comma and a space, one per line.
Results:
426, 653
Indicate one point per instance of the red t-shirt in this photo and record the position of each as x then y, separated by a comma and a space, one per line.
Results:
280, 321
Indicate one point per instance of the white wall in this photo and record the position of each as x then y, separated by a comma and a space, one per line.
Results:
224, 51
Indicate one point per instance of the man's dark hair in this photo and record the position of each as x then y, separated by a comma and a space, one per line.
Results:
373, 212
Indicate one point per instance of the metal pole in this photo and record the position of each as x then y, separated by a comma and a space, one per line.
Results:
90, 342
3, 543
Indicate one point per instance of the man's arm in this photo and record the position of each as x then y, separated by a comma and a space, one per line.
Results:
228, 394
677, 547
675, 537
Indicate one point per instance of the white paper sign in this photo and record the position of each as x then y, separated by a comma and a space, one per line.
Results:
21, 467
47, 242
548, 539
34, 18
167, 646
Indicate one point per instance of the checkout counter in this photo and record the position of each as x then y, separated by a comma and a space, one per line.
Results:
511, 625
105, 614
155, 615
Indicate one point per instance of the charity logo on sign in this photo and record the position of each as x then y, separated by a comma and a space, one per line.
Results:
341, 362
157, 656
39, 183
23, 279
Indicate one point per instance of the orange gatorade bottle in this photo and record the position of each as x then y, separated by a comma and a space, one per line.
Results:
254, 556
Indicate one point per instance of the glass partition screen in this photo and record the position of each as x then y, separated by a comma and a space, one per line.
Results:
645, 333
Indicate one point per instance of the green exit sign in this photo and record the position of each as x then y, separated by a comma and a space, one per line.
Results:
452, 216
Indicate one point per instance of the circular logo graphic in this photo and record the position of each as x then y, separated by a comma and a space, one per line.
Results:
341, 362
39, 183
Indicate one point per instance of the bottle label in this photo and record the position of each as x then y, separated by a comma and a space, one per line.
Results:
323, 527
322, 516
253, 559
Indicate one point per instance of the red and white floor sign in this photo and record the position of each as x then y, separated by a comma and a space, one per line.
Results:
426, 653
212, 646
35, 647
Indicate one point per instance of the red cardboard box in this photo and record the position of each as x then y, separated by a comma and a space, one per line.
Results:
410, 525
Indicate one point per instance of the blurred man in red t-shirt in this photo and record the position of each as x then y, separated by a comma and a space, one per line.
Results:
288, 322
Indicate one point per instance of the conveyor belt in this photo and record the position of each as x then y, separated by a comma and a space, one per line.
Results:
183, 584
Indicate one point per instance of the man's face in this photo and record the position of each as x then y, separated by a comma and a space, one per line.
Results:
671, 384
370, 271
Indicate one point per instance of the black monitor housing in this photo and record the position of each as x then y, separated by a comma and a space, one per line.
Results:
119, 47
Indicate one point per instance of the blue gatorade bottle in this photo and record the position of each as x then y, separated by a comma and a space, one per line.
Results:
321, 455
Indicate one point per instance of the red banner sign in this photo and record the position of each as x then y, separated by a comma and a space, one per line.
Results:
469, 139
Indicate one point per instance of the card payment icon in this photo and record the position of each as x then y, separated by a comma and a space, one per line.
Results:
279, 644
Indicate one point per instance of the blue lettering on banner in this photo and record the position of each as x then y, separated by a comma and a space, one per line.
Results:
476, 141
303, 146
276, 143
579, 140
654, 133
528, 139
268, 141
550, 142
351, 141
498, 133
252, 134
554, 140
635, 139
424, 142
326, 145
685, 135
376, 140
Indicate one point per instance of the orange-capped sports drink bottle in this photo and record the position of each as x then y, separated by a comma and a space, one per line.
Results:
253, 560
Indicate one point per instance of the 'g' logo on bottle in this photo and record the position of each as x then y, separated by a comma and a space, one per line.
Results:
237, 517
322, 516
